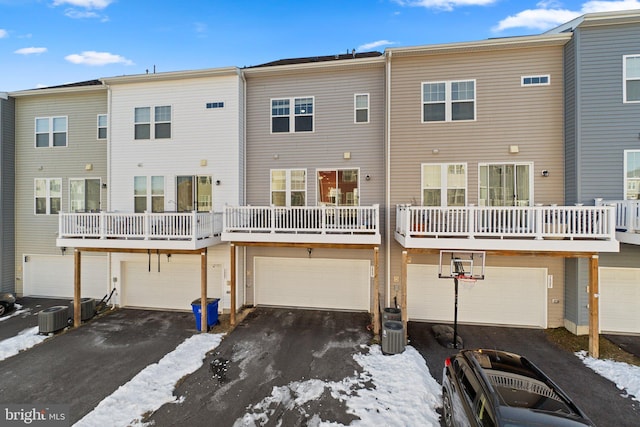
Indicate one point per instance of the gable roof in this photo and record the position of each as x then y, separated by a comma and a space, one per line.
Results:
67, 87
314, 59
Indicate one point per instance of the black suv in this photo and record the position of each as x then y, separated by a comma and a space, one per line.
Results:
496, 388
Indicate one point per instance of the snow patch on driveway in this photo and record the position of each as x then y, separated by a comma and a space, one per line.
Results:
626, 377
23, 341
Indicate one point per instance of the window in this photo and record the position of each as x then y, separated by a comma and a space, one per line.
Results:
102, 126
194, 193
505, 185
338, 187
51, 132
161, 122
535, 80
448, 101
48, 195
289, 187
281, 117
215, 104
84, 195
361, 106
444, 184
631, 75
632, 174
142, 200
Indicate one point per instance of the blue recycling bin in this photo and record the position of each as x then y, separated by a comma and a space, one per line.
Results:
212, 312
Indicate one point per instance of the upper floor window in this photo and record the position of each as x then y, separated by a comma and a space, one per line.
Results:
448, 101
47, 195
632, 174
51, 132
102, 126
631, 75
361, 107
282, 117
289, 187
444, 184
161, 123
543, 80
338, 187
84, 195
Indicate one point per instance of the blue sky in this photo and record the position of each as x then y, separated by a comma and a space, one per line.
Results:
50, 42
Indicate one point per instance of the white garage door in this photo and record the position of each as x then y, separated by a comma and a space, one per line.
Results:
174, 287
312, 283
620, 300
52, 276
507, 296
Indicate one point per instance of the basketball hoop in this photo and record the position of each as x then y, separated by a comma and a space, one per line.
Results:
467, 282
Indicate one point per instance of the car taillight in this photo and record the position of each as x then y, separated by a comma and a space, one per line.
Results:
447, 362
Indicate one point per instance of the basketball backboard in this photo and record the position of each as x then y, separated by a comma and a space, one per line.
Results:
465, 264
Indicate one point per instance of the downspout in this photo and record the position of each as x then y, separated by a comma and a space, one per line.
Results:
387, 174
244, 180
111, 282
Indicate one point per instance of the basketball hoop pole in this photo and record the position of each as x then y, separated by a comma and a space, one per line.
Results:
455, 313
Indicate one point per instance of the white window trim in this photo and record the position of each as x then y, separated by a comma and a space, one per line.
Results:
47, 196
292, 115
288, 189
51, 133
448, 102
532, 191
523, 84
624, 80
356, 109
152, 123
443, 181
334, 169
625, 177
106, 127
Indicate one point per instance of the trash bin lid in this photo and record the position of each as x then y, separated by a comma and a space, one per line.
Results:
209, 301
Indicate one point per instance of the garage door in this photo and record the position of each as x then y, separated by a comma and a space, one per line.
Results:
312, 283
507, 296
175, 286
52, 276
620, 300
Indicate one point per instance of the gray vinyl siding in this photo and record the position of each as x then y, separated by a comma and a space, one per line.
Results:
607, 126
506, 114
335, 133
570, 132
36, 234
7, 191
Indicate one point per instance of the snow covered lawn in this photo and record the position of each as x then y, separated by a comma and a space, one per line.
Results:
23, 341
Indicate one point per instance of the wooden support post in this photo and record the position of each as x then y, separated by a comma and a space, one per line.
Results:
403, 295
376, 293
594, 308
232, 314
77, 320
203, 291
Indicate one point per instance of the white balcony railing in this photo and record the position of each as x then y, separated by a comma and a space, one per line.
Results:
188, 226
627, 214
302, 223
507, 222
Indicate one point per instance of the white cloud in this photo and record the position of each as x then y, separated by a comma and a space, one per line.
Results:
87, 4
549, 14
373, 45
3, 33
97, 58
76, 14
447, 5
31, 50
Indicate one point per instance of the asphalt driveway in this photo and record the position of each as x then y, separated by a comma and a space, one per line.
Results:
597, 396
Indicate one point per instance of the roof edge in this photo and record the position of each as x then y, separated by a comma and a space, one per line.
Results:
171, 75
315, 65
57, 90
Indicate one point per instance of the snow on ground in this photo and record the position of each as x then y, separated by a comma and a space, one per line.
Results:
153, 386
392, 390
626, 377
23, 341
16, 312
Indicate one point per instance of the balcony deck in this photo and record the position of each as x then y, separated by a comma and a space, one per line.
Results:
118, 230
340, 225
508, 228
627, 219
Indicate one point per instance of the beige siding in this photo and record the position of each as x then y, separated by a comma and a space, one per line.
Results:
36, 234
506, 114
